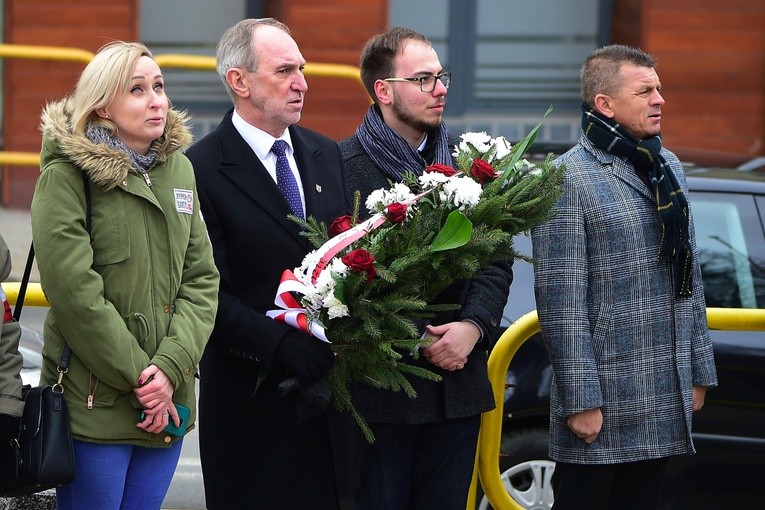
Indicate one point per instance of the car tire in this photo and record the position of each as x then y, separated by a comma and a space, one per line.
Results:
525, 469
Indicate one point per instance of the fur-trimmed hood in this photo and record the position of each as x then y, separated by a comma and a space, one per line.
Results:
104, 165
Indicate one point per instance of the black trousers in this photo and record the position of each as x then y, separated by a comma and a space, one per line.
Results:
628, 486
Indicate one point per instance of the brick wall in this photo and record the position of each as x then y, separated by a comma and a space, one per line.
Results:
332, 31
29, 84
711, 57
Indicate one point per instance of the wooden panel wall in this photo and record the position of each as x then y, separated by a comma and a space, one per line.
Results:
29, 84
332, 31
711, 62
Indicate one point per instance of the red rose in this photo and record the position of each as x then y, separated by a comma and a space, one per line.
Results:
340, 225
482, 171
441, 169
396, 212
361, 261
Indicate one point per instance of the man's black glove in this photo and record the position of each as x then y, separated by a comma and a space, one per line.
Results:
309, 358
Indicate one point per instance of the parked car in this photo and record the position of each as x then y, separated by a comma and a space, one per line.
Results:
729, 432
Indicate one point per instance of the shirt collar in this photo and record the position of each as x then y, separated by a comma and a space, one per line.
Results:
258, 140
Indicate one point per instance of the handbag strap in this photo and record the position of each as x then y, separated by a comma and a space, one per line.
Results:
23, 286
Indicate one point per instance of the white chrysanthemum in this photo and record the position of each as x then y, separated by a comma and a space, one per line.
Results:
381, 198
309, 261
335, 308
503, 147
376, 201
461, 191
400, 193
481, 141
430, 180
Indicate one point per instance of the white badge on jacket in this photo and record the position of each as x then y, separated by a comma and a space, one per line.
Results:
184, 201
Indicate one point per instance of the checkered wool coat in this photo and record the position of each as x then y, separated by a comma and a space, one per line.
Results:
617, 336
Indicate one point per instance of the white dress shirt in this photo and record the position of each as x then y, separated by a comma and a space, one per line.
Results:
261, 142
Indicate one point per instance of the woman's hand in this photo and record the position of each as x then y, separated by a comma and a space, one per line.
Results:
155, 393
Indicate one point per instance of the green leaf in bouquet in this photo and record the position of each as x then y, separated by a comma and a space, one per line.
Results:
455, 232
522, 146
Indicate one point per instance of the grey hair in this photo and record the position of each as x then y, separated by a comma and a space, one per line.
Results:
235, 47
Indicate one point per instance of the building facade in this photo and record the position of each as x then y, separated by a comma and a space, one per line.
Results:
510, 60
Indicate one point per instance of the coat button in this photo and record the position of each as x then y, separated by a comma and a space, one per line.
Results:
167, 308
125, 183
168, 439
493, 321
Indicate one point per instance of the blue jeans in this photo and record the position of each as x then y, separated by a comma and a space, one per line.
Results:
119, 477
418, 467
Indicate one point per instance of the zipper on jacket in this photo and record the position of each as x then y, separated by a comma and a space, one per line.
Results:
91, 390
146, 178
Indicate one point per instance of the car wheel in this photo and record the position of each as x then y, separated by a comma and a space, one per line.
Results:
526, 470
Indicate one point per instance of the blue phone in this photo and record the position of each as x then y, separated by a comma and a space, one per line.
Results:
183, 413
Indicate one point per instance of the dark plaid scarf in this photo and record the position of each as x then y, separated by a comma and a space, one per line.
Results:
392, 154
672, 206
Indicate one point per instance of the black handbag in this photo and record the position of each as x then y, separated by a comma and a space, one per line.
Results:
44, 454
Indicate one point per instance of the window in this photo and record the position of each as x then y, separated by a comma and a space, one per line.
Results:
731, 249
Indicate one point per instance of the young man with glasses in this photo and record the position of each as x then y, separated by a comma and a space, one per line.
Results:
424, 448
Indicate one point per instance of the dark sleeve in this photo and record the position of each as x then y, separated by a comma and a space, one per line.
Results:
486, 297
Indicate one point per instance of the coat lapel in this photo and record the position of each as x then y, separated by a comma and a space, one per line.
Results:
620, 170
240, 165
312, 167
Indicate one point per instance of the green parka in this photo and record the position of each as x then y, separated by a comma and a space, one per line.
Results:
140, 290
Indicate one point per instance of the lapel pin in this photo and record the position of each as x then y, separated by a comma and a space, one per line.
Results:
318, 188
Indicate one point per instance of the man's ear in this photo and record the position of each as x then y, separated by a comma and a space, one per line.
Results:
603, 105
383, 92
235, 80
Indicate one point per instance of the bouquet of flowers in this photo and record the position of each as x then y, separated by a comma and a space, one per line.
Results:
368, 282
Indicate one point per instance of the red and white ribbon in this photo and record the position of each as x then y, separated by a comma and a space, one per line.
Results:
290, 311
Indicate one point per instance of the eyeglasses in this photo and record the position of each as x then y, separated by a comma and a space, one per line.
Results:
427, 83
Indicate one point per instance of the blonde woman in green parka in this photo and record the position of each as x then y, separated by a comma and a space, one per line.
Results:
135, 298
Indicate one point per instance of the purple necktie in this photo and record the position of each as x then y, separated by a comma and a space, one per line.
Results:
285, 179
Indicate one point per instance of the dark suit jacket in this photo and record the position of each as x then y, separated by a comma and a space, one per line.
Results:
462, 393
253, 451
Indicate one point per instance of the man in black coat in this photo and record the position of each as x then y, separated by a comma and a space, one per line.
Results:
425, 447
257, 449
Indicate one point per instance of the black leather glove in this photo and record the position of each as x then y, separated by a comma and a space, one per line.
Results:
309, 358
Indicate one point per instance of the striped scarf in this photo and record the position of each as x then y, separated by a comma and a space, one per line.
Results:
391, 153
672, 206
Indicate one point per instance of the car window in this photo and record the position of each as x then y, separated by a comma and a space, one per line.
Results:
731, 249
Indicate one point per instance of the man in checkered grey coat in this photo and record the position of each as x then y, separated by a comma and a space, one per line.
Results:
620, 298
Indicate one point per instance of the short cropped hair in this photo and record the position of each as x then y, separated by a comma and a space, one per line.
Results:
235, 47
378, 53
107, 76
600, 72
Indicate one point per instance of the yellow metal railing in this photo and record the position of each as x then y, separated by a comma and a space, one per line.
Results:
169, 60
733, 319
33, 297
487, 459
